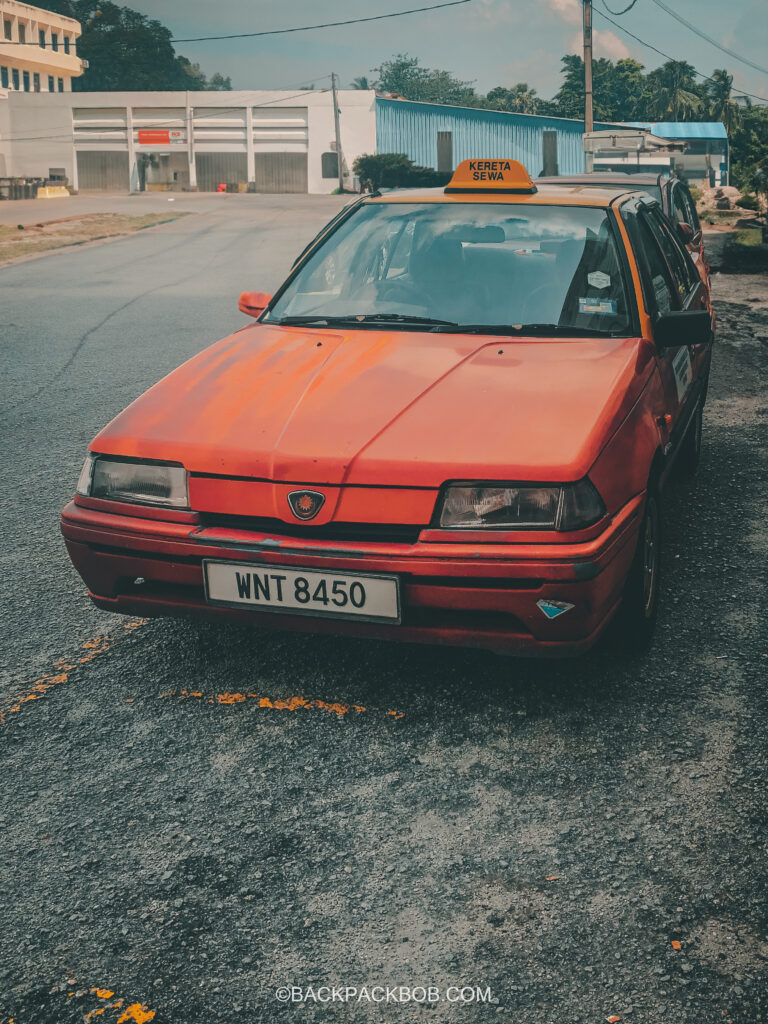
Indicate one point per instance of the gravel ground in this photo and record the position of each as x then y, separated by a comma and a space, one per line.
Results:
586, 839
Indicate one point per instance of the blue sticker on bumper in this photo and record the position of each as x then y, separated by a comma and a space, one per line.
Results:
553, 608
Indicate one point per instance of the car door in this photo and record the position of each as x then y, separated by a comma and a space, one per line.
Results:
694, 293
671, 282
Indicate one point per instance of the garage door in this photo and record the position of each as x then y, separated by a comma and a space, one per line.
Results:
214, 169
102, 171
281, 172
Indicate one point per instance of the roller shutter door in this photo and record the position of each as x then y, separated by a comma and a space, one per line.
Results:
214, 169
103, 171
280, 172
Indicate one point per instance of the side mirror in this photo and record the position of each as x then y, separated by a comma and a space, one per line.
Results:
253, 303
682, 327
685, 232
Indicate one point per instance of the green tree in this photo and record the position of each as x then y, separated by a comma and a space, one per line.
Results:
721, 106
749, 150
405, 76
626, 90
361, 82
127, 50
519, 98
671, 93
569, 99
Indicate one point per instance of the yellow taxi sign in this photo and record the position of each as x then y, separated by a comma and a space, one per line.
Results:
490, 176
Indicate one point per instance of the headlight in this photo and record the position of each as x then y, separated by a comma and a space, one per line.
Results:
520, 506
142, 483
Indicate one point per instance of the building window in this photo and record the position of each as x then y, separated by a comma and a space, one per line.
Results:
36, 82
66, 44
25, 77
51, 84
54, 41
329, 163
22, 33
7, 28
15, 77
4, 78
445, 152
41, 37
61, 85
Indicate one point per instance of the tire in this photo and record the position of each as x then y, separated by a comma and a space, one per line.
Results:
690, 447
637, 614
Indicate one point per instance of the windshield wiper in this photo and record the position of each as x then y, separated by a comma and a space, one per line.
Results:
361, 319
536, 330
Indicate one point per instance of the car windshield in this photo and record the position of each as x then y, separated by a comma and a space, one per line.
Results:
475, 265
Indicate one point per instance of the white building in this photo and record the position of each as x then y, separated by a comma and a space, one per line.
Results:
128, 141
38, 50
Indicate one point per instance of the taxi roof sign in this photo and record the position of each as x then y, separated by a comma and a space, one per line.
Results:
481, 176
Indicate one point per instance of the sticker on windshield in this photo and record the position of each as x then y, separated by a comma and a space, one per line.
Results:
594, 305
598, 279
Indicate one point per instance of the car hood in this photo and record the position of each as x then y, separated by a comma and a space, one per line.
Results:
386, 407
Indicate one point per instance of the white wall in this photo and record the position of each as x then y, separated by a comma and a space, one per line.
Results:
39, 127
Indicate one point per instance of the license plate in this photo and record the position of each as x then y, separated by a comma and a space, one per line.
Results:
275, 588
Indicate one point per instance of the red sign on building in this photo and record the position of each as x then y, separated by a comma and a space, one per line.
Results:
154, 138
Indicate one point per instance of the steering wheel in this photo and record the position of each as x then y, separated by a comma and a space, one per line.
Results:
394, 290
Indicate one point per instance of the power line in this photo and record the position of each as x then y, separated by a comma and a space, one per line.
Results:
327, 24
709, 39
666, 56
619, 13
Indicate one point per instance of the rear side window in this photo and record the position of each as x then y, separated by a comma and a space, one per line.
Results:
685, 208
682, 268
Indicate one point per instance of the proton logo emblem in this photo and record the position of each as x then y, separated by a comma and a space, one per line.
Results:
306, 504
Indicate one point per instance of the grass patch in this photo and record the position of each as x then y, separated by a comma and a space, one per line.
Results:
746, 253
17, 243
749, 236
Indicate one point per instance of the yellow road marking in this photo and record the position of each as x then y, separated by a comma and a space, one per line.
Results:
138, 1013
281, 704
61, 669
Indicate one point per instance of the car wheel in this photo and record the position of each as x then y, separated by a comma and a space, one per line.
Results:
690, 448
636, 617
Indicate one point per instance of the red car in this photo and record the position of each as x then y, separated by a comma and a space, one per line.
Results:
451, 424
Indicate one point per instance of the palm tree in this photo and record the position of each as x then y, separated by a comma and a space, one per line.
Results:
361, 83
675, 97
519, 98
721, 106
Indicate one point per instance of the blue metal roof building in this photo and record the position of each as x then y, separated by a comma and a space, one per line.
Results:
437, 136
682, 130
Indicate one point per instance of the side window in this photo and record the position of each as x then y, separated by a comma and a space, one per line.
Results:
680, 207
675, 256
692, 214
661, 295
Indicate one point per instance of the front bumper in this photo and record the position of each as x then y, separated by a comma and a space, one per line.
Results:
467, 594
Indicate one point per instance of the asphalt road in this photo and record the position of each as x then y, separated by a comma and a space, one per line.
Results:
551, 832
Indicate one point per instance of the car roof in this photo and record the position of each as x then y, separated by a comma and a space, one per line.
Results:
599, 178
545, 195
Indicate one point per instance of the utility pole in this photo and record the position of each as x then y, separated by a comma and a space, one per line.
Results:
337, 126
589, 124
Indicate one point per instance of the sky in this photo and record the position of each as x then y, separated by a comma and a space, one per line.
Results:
487, 42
